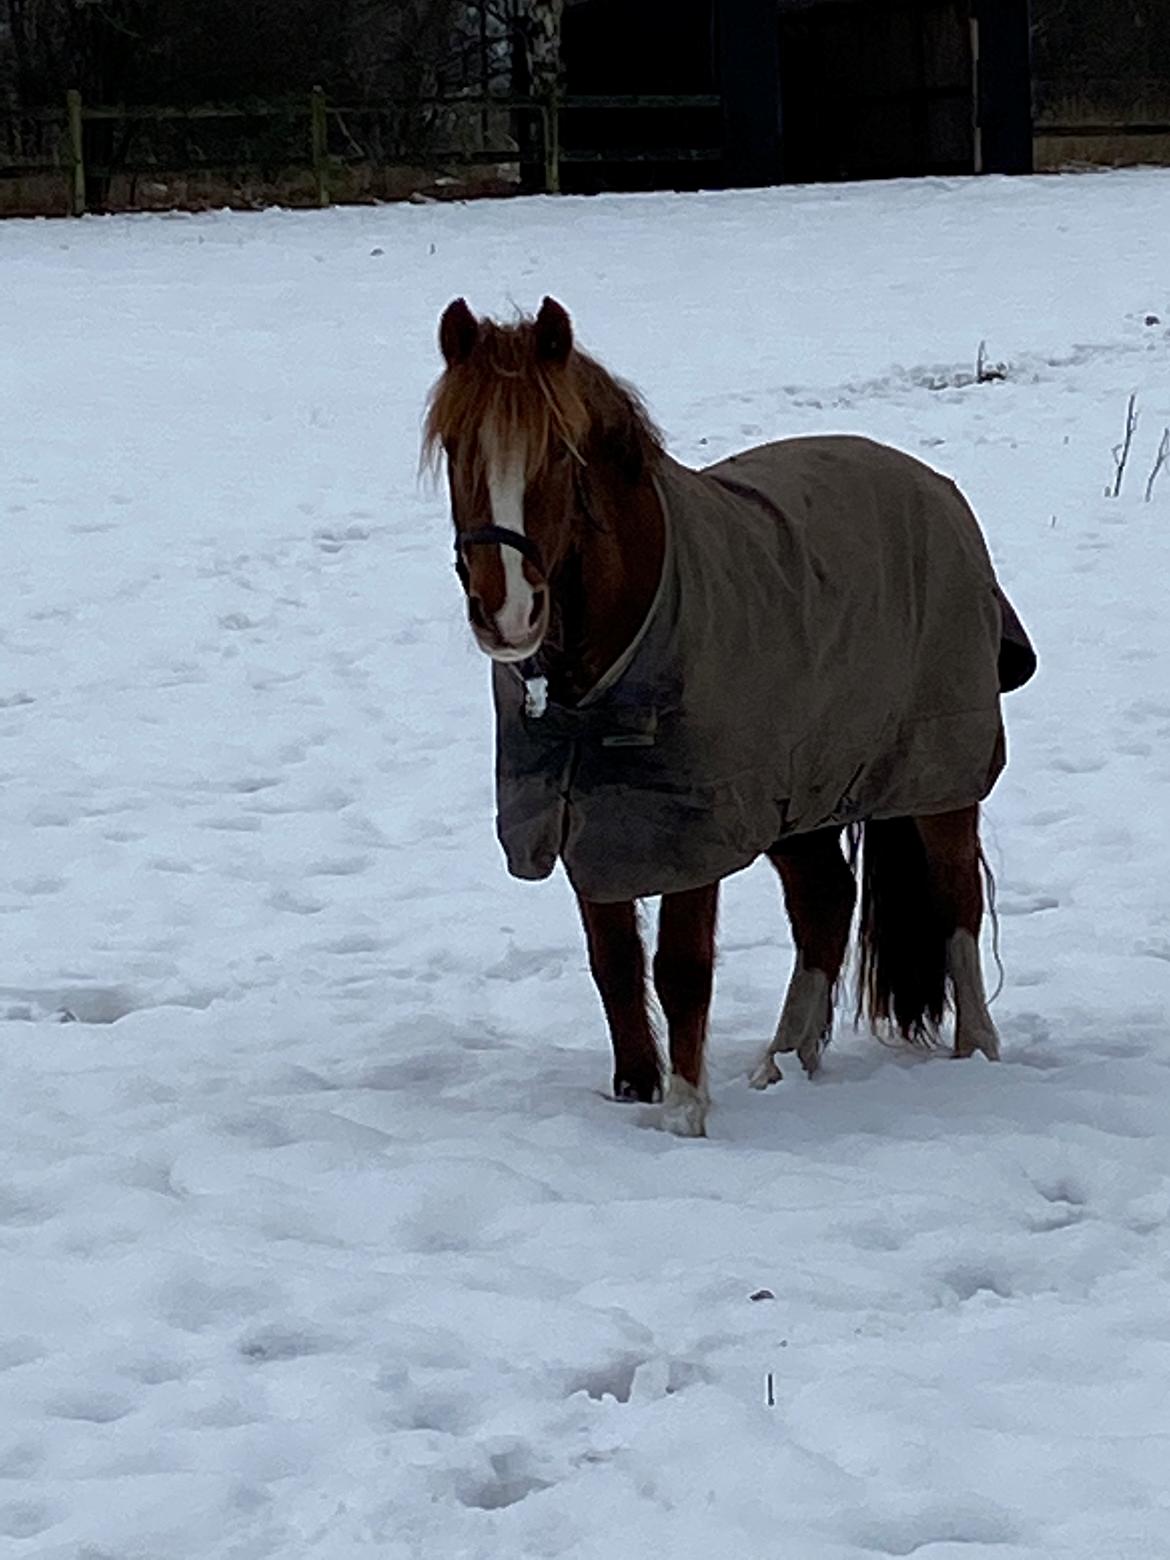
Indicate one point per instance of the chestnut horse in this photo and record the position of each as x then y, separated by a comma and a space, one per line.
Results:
556, 477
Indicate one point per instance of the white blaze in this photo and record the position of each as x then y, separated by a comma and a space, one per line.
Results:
505, 483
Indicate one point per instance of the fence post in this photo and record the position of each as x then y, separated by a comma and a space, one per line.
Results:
320, 140
551, 126
76, 154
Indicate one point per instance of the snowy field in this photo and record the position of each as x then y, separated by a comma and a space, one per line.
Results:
318, 1237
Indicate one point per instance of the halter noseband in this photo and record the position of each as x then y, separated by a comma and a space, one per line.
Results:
495, 536
504, 536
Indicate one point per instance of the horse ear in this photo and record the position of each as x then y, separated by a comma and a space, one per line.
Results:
458, 330
554, 332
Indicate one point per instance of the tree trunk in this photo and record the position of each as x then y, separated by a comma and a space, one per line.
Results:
544, 45
536, 72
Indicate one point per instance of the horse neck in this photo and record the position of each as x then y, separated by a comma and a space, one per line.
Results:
611, 580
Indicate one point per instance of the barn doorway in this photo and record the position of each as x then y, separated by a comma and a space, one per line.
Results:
611, 48
875, 89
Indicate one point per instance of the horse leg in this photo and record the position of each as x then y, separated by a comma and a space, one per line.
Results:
684, 968
618, 965
819, 892
954, 860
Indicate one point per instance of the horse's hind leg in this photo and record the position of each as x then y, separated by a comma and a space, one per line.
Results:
618, 965
819, 892
954, 861
684, 972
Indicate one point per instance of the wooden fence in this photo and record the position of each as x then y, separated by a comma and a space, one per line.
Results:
318, 127
1097, 140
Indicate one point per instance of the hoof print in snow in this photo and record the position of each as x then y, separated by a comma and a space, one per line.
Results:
614, 1381
26, 1518
970, 1283
509, 1485
91, 1408
268, 1345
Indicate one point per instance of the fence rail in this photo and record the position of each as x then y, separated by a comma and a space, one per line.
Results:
1101, 128
326, 142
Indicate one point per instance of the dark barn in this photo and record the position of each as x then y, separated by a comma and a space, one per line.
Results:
810, 90
1101, 81
660, 48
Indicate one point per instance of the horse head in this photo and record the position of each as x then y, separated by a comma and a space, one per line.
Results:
523, 417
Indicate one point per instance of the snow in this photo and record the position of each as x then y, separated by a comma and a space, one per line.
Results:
318, 1237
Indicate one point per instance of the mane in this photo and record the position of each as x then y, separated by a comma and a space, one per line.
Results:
513, 398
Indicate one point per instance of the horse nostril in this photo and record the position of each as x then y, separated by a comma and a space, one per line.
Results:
539, 598
476, 613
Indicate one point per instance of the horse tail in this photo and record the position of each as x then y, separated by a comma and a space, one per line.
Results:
902, 933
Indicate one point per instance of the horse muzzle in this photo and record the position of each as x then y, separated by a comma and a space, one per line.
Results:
516, 629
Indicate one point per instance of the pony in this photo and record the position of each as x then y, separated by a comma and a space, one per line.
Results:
797, 653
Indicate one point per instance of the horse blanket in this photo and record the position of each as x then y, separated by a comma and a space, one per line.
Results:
828, 643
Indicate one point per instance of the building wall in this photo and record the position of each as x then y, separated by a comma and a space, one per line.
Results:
1100, 77
634, 48
1102, 66
876, 91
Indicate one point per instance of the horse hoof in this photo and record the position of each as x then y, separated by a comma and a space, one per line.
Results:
643, 1089
810, 1058
765, 1073
985, 1045
645, 1092
684, 1113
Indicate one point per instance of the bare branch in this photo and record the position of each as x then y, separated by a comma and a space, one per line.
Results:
1121, 451
1162, 457
987, 373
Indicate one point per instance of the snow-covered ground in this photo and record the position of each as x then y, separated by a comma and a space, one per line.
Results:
318, 1237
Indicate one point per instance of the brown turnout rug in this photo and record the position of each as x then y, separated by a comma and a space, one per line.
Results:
828, 643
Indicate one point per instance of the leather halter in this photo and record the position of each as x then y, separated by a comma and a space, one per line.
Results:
495, 536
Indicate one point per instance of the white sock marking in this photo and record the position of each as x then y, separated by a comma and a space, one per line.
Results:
684, 1110
974, 1029
804, 1018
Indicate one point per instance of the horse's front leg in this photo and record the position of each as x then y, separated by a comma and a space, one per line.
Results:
618, 965
684, 971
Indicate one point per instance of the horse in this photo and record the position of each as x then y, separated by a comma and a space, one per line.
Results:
796, 653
